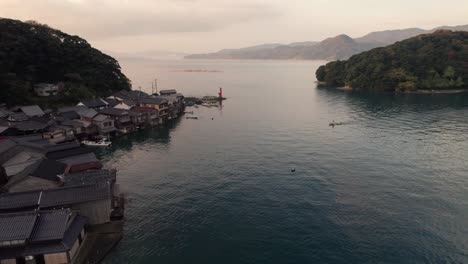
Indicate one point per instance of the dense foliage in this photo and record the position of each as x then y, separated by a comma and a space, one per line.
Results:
431, 61
32, 53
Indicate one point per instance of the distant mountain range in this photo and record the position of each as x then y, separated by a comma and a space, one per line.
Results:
335, 48
149, 54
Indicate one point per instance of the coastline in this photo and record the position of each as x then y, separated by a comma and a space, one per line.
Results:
446, 91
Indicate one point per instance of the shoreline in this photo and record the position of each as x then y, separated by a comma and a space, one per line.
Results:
447, 91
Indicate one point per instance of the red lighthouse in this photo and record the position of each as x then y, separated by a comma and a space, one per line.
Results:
220, 93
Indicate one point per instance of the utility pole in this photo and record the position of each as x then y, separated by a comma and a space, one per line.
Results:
156, 85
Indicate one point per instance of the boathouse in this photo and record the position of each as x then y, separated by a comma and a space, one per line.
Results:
50, 237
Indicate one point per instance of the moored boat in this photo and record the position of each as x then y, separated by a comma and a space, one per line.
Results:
97, 143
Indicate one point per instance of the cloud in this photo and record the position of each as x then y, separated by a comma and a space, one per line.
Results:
99, 19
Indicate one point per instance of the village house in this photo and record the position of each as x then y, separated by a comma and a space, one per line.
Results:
161, 105
121, 118
59, 133
148, 116
47, 89
176, 104
104, 124
45, 236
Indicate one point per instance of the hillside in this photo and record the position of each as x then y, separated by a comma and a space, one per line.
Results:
433, 61
339, 47
32, 53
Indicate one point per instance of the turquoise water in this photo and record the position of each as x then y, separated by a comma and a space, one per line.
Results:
388, 186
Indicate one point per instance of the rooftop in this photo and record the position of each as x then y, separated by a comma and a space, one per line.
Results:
62, 154
169, 91
60, 197
100, 118
48, 169
113, 112
32, 110
90, 177
38, 232
95, 103
152, 100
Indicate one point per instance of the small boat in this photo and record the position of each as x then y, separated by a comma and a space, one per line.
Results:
191, 117
206, 104
332, 124
97, 143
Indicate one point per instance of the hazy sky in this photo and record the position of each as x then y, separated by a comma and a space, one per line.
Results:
209, 25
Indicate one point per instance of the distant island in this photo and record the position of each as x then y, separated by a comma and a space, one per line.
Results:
35, 58
335, 48
429, 62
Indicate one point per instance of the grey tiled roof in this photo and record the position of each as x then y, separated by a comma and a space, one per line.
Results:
89, 177
76, 194
17, 226
51, 225
100, 118
30, 126
52, 198
70, 115
87, 112
111, 102
152, 100
113, 112
32, 110
22, 200
51, 232
94, 103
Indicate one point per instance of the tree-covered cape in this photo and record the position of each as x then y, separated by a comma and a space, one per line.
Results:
432, 61
32, 53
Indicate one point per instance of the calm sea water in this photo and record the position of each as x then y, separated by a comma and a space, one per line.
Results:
388, 186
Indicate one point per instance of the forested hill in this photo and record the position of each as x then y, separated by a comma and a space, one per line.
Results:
431, 61
32, 53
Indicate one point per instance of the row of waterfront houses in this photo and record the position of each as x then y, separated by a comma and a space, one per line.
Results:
57, 202
118, 114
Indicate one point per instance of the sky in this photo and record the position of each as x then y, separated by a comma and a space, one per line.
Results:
193, 26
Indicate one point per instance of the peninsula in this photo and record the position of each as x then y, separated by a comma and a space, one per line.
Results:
431, 62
